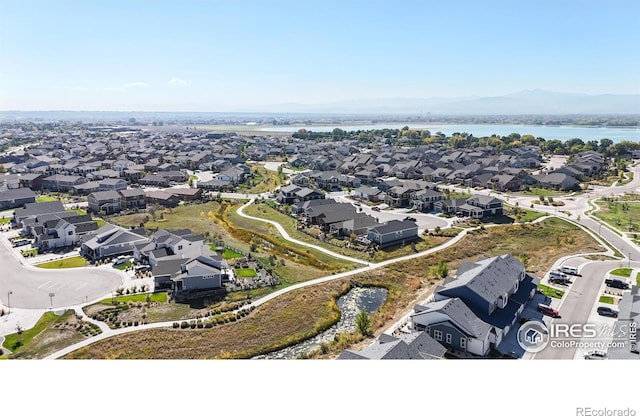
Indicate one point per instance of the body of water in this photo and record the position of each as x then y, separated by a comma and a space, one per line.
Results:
350, 304
617, 134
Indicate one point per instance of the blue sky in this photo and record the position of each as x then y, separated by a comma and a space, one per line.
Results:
227, 56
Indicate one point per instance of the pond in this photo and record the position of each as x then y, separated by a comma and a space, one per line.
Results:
350, 304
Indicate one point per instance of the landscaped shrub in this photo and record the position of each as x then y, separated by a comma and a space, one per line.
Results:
208, 325
184, 324
176, 325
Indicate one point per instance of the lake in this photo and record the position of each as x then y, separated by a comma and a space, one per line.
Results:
617, 134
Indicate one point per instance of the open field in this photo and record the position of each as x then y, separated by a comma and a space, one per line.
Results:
277, 323
51, 333
541, 192
219, 221
264, 181
624, 216
289, 224
66, 263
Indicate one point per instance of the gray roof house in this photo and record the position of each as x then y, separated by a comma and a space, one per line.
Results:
35, 209
15, 198
494, 293
625, 346
111, 240
393, 232
413, 346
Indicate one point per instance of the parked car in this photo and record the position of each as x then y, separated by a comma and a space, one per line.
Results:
548, 310
616, 283
120, 260
570, 270
595, 355
375, 209
607, 311
563, 280
410, 219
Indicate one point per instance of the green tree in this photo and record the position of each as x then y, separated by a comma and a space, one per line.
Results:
440, 270
363, 323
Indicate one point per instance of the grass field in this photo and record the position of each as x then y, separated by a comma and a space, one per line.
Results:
51, 333
277, 323
100, 222
245, 273
551, 291
289, 224
221, 222
606, 299
623, 272
228, 254
4, 221
45, 198
66, 263
542, 192
77, 211
624, 216
160, 297
264, 181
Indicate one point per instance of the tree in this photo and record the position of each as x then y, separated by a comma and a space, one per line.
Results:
363, 323
440, 270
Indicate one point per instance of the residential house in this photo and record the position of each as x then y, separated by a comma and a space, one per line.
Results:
113, 184
290, 194
625, 345
105, 202
163, 198
86, 188
393, 233
111, 240
472, 312
425, 199
63, 231
35, 209
62, 183
557, 181
132, 199
31, 180
186, 194
413, 346
16, 198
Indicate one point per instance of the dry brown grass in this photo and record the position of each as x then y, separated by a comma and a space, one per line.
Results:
302, 313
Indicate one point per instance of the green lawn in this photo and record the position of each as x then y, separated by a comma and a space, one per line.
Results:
623, 272
99, 222
245, 272
160, 297
228, 253
551, 292
624, 216
4, 221
606, 299
45, 198
124, 265
64, 263
638, 279
77, 211
542, 192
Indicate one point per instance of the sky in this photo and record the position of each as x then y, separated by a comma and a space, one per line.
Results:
237, 55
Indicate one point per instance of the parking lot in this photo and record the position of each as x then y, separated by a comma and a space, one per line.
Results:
35, 288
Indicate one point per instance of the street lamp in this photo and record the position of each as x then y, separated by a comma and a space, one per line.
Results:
9, 293
51, 295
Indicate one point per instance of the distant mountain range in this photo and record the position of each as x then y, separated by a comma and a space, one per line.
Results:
523, 102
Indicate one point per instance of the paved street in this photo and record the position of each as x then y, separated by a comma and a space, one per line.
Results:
31, 286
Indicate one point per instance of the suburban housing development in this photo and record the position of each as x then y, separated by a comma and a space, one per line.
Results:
258, 206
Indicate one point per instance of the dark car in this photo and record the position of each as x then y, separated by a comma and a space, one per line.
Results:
606, 311
409, 219
616, 283
375, 209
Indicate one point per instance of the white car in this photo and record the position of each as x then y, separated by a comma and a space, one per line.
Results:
595, 355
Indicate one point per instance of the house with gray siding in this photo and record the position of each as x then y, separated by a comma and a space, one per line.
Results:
393, 233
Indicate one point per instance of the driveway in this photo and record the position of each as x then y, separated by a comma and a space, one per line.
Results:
31, 286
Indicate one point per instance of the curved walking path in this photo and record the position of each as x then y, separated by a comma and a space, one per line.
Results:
370, 266
287, 237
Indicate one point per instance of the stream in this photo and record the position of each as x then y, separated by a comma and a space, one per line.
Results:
359, 298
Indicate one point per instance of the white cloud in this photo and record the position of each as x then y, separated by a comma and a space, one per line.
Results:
177, 81
136, 85
119, 89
